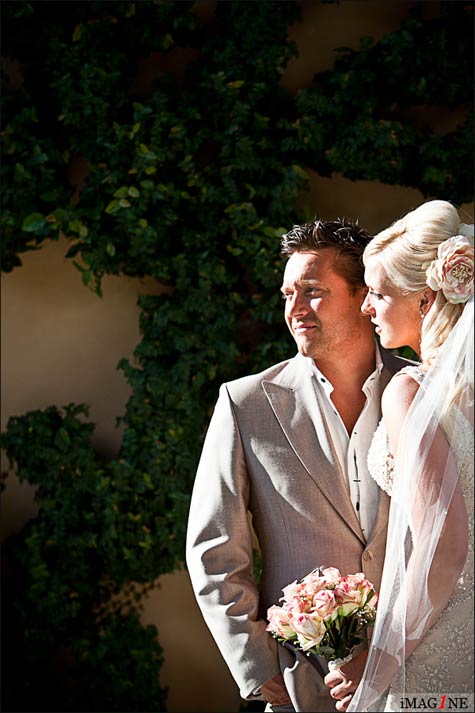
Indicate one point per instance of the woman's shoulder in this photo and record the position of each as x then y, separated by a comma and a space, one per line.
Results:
415, 371
403, 387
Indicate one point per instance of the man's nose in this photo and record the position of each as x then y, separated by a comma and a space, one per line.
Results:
296, 305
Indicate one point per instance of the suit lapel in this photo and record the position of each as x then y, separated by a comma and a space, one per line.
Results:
381, 522
294, 403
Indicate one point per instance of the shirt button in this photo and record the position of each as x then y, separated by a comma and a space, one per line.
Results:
368, 555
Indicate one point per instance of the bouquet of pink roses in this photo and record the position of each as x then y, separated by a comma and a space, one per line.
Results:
325, 614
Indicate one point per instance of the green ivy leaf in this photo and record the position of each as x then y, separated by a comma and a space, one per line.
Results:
33, 222
73, 251
121, 192
62, 439
112, 207
59, 214
86, 277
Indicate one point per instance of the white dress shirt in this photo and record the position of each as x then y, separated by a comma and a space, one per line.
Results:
352, 449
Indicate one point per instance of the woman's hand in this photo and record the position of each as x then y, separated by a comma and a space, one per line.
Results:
344, 681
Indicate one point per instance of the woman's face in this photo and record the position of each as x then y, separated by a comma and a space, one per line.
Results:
396, 316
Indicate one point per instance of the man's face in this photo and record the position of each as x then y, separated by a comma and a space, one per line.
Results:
323, 316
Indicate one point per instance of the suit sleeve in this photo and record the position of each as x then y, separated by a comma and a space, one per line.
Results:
219, 554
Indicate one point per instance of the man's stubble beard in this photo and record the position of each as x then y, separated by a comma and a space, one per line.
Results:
330, 340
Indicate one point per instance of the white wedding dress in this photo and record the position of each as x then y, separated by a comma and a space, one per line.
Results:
442, 664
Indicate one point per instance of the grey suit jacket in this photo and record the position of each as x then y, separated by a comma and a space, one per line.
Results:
268, 459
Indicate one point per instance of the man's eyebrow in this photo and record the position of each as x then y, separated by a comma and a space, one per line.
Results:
304, 283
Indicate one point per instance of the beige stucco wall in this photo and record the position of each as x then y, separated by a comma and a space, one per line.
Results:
61, 344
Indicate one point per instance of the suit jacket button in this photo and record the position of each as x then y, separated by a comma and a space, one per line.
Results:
368, 555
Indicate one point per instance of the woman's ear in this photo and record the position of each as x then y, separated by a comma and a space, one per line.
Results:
426, 301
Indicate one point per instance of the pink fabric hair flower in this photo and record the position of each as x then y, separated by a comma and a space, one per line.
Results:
453, 270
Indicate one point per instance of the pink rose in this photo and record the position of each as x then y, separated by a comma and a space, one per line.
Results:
279, 622
453, 271
355, 578
331, 574
314, 581
373, 602
362, 585
348, 597
325, 605
310, 630
297, 604
291, 590
366, 588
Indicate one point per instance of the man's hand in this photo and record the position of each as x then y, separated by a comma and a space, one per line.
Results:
274, 691
344, 681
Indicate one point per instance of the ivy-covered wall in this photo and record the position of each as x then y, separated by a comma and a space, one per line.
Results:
191, 184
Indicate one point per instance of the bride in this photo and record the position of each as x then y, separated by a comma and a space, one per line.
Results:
419, 274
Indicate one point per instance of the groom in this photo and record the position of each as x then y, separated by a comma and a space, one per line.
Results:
285, 458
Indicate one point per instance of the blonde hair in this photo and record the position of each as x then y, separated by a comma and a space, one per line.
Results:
405, 250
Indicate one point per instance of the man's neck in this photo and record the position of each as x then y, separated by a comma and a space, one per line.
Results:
347, 377
345, 373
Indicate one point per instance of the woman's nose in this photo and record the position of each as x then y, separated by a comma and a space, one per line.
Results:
367, 307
